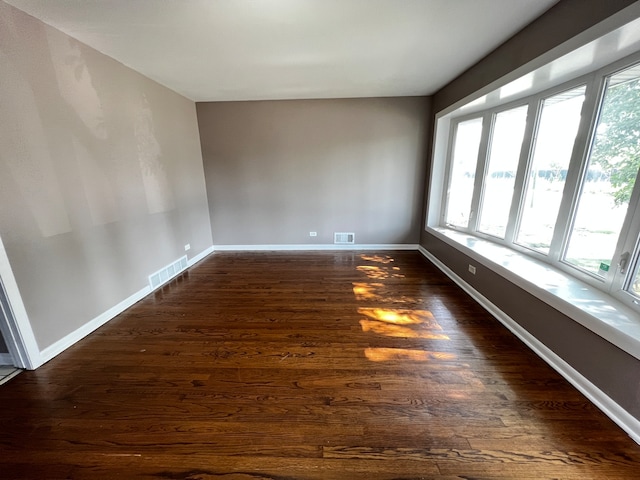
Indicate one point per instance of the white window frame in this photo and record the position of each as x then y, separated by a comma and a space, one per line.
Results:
615, 281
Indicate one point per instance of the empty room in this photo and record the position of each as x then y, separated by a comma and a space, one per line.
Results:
319, 239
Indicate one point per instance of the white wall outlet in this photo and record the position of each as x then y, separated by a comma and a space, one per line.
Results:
187, 247
313, 234
472, 269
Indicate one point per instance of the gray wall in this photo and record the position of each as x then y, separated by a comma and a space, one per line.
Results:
560, 23
612, 370
3, 346
101, 177
277, 170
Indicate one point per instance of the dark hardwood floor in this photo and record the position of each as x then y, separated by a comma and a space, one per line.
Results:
336, 365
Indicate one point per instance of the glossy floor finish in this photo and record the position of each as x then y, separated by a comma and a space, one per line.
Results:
333, 365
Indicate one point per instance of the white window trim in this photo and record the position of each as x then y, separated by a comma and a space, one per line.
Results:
590, 307
611, 317
594, 82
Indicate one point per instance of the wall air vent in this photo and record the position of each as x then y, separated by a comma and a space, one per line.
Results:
343, 238
165, 274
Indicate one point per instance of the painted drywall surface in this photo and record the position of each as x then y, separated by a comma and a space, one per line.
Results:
560, 23
101, 177
612, 370
277, 170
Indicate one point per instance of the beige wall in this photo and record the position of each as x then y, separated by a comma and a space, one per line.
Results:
101, 178
613, 371
277, 170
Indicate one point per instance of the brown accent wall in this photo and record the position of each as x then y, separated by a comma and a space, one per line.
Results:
277, 170
101, 177
614, 371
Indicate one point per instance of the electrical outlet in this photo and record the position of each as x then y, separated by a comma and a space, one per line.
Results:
187, 247
472, 269
313, 234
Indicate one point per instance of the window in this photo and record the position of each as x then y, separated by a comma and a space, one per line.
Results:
466, 145
500, 176
545, 180
609, 177
554, 176
634, 284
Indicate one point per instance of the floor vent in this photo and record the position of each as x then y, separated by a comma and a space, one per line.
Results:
167, 273
343, 238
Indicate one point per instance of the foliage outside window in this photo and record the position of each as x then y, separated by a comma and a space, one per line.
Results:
545, 181
571, 203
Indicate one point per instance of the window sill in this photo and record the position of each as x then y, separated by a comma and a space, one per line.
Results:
593, 309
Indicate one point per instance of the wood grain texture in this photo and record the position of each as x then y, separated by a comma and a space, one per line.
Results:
332, 365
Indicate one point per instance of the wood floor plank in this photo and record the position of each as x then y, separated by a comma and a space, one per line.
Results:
331, 365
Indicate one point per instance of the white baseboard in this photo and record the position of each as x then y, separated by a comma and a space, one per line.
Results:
77, 335
313, 247
620, 416
615, 412
205, 253
6, 359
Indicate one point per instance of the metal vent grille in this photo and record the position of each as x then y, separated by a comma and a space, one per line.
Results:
343, 238
167, 273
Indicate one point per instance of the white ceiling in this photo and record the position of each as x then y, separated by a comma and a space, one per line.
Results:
215, 50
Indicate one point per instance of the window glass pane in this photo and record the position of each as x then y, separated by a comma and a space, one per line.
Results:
506, 142
557, 129
612, 169
634, 285
463, 172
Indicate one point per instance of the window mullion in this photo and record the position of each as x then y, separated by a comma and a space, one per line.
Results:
628, 242
448, 171
577, 166
487, 126
523, 167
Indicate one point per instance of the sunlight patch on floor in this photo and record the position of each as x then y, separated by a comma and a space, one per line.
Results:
378, 273
400, 316
406, 323
399, 331
390, 354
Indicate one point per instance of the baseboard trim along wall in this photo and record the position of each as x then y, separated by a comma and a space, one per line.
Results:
313, 247
609, 407
201, 256
89, 327
77, 335
619, 415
